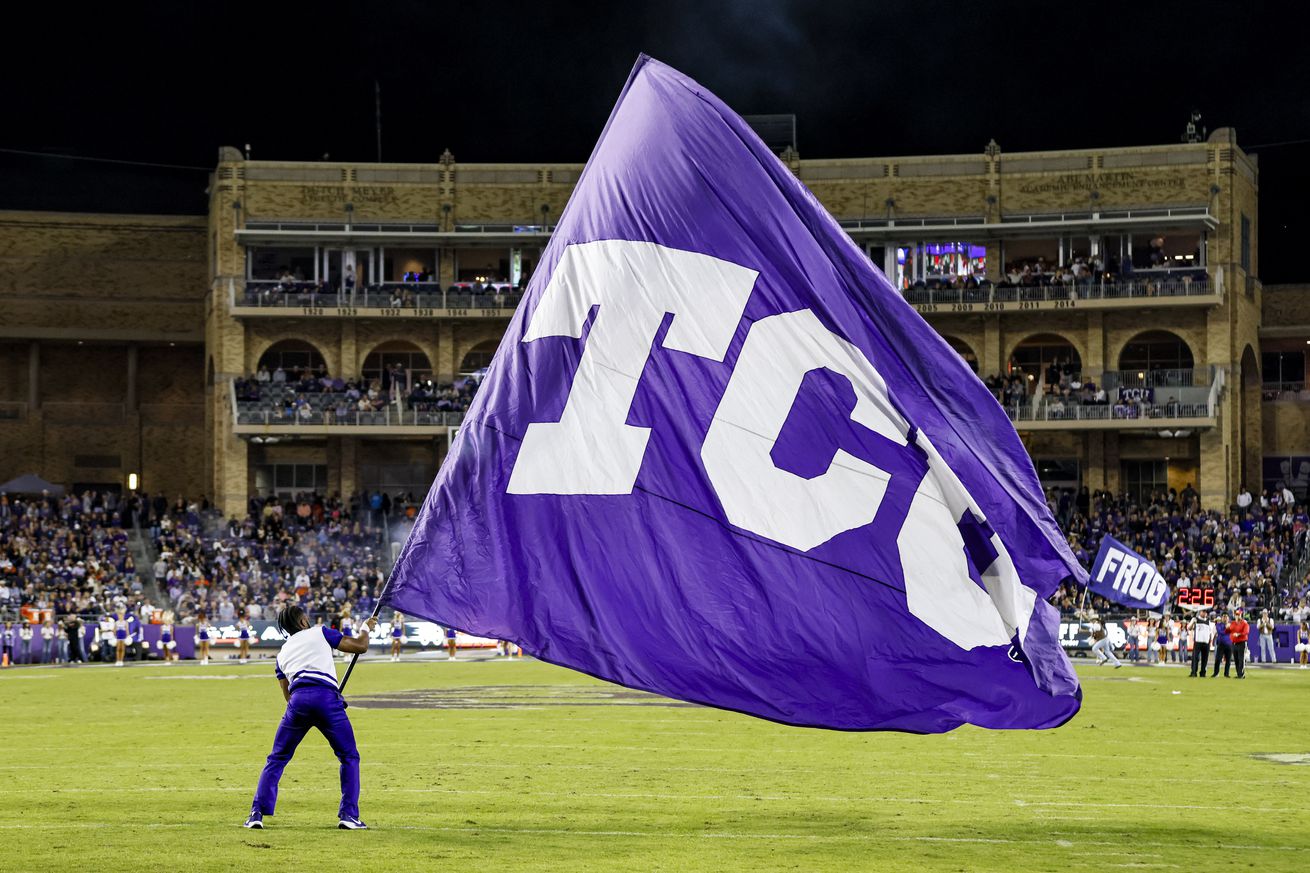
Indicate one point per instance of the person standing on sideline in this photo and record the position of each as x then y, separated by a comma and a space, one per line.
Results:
1303, 643
6, 645
73, 632
167, 645
1202, 633
397, 635
1101, 645
202, 638
243, 638
25, 641
346, 623
451, 644
1265, 626
1223, 646
1239, 632
48, 635
307, 675
120, 639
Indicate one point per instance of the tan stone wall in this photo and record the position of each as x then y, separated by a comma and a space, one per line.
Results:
96, 276
1286, 427
13, 371
112, 279
1285, 306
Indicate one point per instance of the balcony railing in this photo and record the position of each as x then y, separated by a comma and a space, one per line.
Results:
1133, 289
390, 227
1274, 391
1194, 377
1127, 413
1133, 400
406, 296
389, 416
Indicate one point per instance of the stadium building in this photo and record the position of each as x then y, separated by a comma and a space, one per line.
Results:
1111, 296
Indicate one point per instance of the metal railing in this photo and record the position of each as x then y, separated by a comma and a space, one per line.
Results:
405, 296
1084, 215
400, 227
1107, 214
391, 415
1133, 289
1285, 391
1062, 411
1196, 377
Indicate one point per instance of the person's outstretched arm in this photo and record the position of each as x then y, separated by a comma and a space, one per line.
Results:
358, 644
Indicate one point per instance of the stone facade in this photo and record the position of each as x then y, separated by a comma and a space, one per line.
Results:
101, 361
118, 340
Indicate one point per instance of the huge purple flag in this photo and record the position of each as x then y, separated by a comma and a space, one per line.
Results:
719, 458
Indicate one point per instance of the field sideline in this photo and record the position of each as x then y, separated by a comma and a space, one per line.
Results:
525, 766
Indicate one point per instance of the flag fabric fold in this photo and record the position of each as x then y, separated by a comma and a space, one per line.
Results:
718, 457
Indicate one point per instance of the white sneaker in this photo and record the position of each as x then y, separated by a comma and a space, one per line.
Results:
351, 824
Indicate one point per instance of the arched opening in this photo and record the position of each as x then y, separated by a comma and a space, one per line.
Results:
397, 356
292, 355
1252, 438
964, 351
478, 358
1046, 359
1157, 350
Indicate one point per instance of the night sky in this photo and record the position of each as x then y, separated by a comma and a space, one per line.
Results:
171, 82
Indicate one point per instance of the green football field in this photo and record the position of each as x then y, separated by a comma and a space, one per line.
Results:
523, 766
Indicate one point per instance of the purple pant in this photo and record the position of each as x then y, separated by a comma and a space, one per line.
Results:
312, 706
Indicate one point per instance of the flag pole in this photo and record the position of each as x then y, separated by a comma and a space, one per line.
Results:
377, 607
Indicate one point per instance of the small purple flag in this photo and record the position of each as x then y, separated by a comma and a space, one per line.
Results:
1123, 576
718, 457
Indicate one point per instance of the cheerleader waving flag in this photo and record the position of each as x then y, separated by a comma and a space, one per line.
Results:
718, 457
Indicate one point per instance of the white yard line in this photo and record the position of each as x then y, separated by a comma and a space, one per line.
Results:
775, 798
709, 835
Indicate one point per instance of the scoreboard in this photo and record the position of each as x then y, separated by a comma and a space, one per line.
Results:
1194, 598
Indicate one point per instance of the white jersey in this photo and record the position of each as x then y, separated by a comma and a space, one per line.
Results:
306, 658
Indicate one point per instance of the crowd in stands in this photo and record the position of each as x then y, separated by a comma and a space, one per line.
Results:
1241, 553
1076, 279
1062, 380
311, 395
322, 552
1064, 395
67, 553
291, 288
71, 555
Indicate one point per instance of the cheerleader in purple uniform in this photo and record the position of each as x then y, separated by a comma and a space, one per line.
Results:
120, 638
243, 638
347, 626
397, 635
167, 645
202, 637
